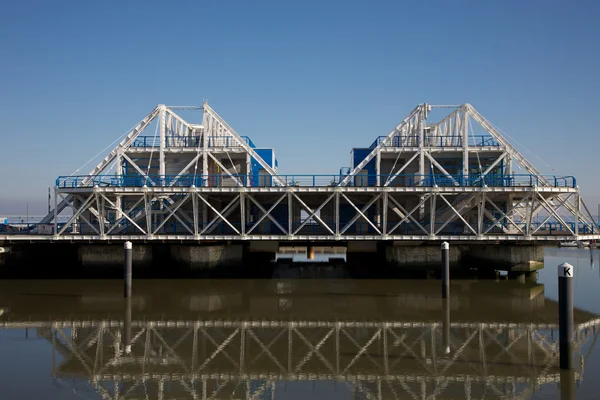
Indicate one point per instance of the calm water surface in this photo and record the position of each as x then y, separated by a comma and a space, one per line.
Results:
288, 338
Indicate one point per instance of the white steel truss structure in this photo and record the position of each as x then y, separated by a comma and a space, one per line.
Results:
211, 359
449, 180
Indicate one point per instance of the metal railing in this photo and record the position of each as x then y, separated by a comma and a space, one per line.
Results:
191, 141
437, 141
409, 180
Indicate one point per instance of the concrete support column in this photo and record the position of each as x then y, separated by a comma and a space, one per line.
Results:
208, 257
112, 255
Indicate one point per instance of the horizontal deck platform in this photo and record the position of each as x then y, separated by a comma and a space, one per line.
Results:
295, 238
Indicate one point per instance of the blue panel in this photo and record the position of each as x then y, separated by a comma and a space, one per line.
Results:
370, 168
255, 167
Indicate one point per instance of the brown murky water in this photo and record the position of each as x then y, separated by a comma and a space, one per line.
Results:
288, 338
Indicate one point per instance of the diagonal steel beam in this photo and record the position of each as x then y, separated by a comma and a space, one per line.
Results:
314, 349
125, 215
173, 213
468, 208
226, 212
265, 349
391, 178
457, 214
138, 169
360, 213
235, 178
415, 113
213, 121
266, 213
314, 213
434, 161
185, 169
361, 349
218, 213
408, 215
82, 208
491, 167
558, 217
116, 223
92, 211
307, 208
506, 214
548, 217
219, 349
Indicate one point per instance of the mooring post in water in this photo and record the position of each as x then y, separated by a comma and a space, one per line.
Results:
128, 267
128, 325
445, 270
567, 384
446, 325
565, 315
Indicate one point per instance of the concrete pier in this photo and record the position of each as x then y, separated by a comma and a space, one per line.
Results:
521, 261
208, 256
105, 255
421, 256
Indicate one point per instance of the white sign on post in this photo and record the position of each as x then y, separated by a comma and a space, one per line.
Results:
565, 270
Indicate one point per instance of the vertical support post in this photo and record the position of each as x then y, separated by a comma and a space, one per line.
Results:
384, 223
465, 139
480, 214
421, 129
577, 214
127, 325
207, 122
49, 209
445, 270
128, 268
567, 385
163, 141
195, 210
55, 213
432, 208
565, 315
148, 211
119, 174
446, 325
290, 212
378, 169
243, 213
248, 170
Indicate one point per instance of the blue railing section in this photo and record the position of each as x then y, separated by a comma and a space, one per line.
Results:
437, 141
191, 141
316, 180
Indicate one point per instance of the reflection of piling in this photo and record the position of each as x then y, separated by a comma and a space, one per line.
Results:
128, 266
565, 314
445, 270
567, 384
446, 325
128, 325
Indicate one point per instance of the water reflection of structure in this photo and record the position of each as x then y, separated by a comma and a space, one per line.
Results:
431, 357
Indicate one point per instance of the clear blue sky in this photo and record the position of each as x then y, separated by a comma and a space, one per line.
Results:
311, 78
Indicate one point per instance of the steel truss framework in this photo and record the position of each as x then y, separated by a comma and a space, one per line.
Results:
377, 360
298, 213
460, 188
